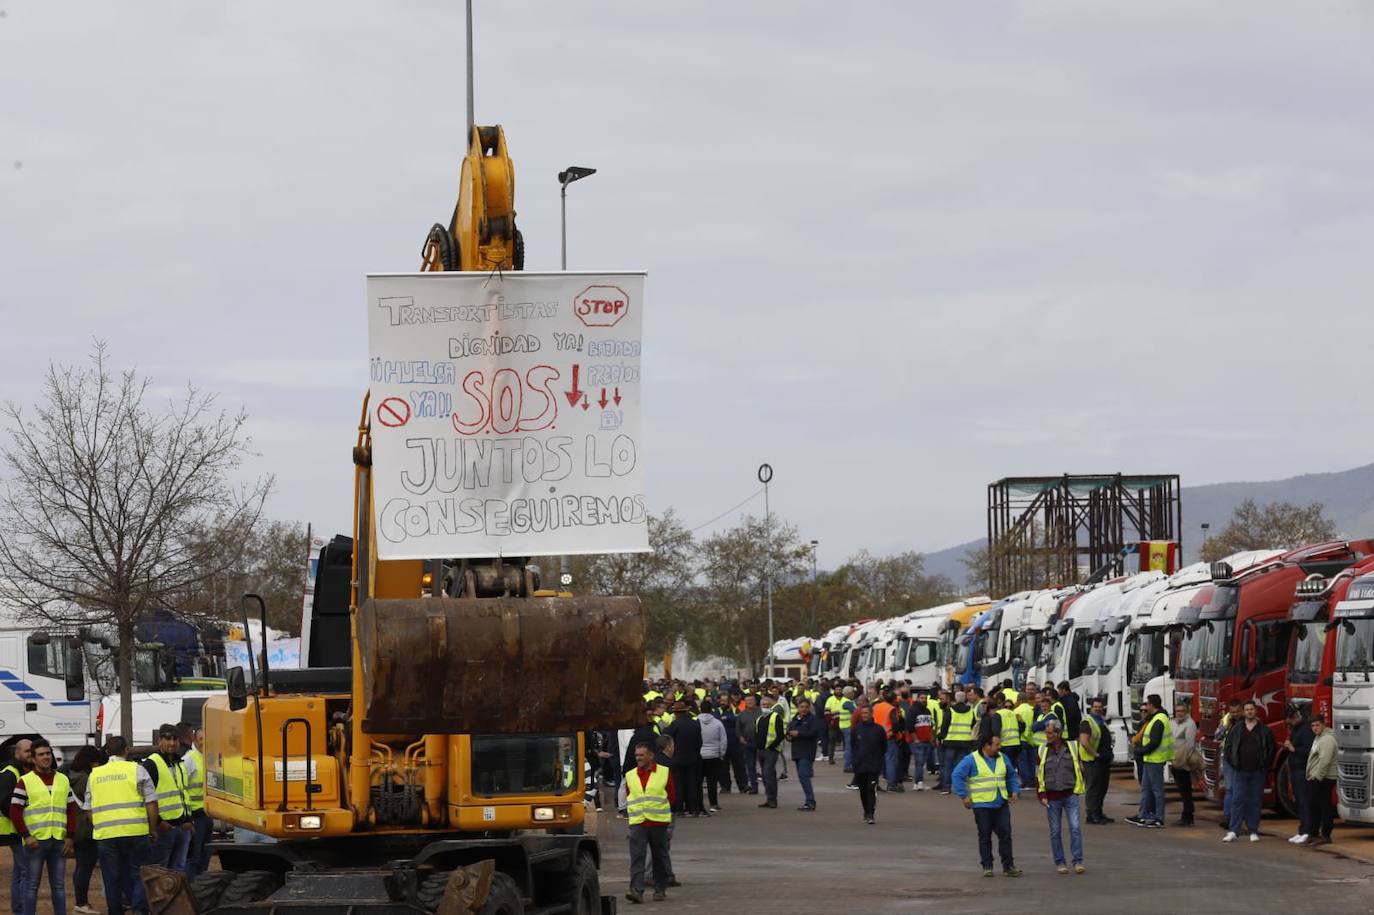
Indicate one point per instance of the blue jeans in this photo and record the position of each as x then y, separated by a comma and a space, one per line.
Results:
1228, 781
172, 846
198, 856
19, 877
120, 860
805, 769
952, 757
920, 755
1151, 791
49, 853
1055, 812
751, 765
990, 820
890, 764
1026, 766
1245, 809
845, 734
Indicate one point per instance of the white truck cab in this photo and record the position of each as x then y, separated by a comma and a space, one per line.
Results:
1353, 701
1108, 659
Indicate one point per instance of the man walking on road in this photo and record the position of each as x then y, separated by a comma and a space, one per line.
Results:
1095, 755
989, 785
804, 731
870, 755
1060, 778
1155, 748
1249, 748
649, 801
770, 733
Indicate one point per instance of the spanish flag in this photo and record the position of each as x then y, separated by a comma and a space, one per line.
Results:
1159, 556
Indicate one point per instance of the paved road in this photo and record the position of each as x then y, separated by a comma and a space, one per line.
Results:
922, 856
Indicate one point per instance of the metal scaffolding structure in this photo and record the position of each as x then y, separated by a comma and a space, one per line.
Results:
1048, 531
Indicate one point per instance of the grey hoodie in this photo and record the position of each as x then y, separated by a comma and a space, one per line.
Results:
712, 736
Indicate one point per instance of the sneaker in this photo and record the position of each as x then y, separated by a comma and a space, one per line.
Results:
987, 872
659, 895
1079, 868
1299, 839
868, 821
1154, 824
715, 810
1061, 868
86, 910
635, 896
1229, 837
1136, 821
946, 791
852, 787
919, 786
1011, 872
1254, 837
783, 777
1303, 840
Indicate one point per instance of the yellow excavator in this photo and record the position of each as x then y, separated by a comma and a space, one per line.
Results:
431, 755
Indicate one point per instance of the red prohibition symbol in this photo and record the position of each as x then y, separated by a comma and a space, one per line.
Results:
393, 412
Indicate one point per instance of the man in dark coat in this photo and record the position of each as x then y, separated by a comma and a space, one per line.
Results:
687, 766
804, 731
869, 743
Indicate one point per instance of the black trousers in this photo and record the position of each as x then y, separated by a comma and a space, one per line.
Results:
768, 761
1320, 814
1183, 780
687, 782
1097, 775
994, 820
736, 759
714, 770
868, 792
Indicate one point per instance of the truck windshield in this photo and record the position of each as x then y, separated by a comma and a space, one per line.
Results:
1110, 651
1190, 654
1147, 655
1096, 650
539, 764
899, 653
1309, 646
991, 641
1355, 646
922, 653
1216, 655
1050, 650
1027, 650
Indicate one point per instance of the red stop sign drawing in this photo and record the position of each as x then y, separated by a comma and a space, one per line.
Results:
601, 306
393, 412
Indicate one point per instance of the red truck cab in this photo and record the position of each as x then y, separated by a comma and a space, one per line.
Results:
1246, 631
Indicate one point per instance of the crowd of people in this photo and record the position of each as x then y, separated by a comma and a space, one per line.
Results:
704, 739
103, 809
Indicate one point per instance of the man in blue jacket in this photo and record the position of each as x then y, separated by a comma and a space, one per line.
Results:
804, 731
987, 782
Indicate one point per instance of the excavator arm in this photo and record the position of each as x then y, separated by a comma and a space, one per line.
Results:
481, 235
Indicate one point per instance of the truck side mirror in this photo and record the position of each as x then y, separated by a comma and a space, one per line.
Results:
238, 689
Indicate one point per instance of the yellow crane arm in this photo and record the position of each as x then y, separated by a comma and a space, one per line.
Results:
481, 235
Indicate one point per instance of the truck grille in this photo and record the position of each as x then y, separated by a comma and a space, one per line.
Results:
1353, 780
1354, 795
1353, 771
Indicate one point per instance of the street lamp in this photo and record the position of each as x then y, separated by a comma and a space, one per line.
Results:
765, 476
566, 177
815, 595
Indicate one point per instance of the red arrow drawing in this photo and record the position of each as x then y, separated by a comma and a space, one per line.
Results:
574, 395
585, 405
602, 401
616, 398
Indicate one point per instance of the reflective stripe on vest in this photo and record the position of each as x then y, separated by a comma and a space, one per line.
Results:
960, 726
171, 789
1011, 728
990, 782
1077, 769
1037, 738
7, 827
45, 814
1165, 751
195, 784
648, 802
1095, 739
117, 806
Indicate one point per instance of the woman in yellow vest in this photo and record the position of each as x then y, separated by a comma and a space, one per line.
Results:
44, 812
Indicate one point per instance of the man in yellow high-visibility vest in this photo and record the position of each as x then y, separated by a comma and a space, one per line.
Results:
174, 817
43, 812
21, 759
1059, 775
202, 824
122, 799
648, 804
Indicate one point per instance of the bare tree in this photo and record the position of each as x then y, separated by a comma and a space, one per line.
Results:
1276, 526
105, 497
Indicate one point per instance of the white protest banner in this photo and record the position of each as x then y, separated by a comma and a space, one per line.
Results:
505, 414
281, 654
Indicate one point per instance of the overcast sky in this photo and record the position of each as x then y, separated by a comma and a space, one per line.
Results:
898, 250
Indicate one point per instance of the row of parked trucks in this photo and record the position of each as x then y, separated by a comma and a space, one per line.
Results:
1284, 628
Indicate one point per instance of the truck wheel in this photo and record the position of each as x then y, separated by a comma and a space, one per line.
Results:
250, 886
207, 888
504, 897
582, 887
1284, 798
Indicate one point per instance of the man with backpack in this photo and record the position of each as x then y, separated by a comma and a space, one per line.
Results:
1095, 751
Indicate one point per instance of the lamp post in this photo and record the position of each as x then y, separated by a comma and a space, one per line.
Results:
815, 593
566, 177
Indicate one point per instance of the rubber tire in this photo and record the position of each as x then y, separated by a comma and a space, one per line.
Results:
431, 891
517, 259
1284, 800
582, 887
207, 888
504, 897
250, 886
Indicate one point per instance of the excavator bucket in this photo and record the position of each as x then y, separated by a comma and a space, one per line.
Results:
501, 665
